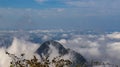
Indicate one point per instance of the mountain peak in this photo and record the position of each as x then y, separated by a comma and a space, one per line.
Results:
45, 47
54, 49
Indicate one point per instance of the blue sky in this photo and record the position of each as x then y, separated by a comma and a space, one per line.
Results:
100, 15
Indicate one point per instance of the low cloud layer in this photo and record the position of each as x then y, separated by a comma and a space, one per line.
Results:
101, 47
105, 48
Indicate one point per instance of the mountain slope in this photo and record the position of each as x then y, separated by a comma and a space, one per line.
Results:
52, 49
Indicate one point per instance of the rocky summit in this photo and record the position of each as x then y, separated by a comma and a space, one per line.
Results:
54, 48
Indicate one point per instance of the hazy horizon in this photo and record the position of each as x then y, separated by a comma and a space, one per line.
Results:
97, 15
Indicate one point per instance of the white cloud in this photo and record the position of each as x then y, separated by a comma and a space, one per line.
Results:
114, 50
4, 59
40, 1
81, 3
18, 47
63, 41
46, 37
98, 47
60, 9
94, 3
114, 35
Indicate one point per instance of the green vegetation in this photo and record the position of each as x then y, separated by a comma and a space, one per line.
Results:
34, 62
45, 62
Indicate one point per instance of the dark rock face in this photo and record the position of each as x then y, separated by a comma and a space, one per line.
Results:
44, 50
